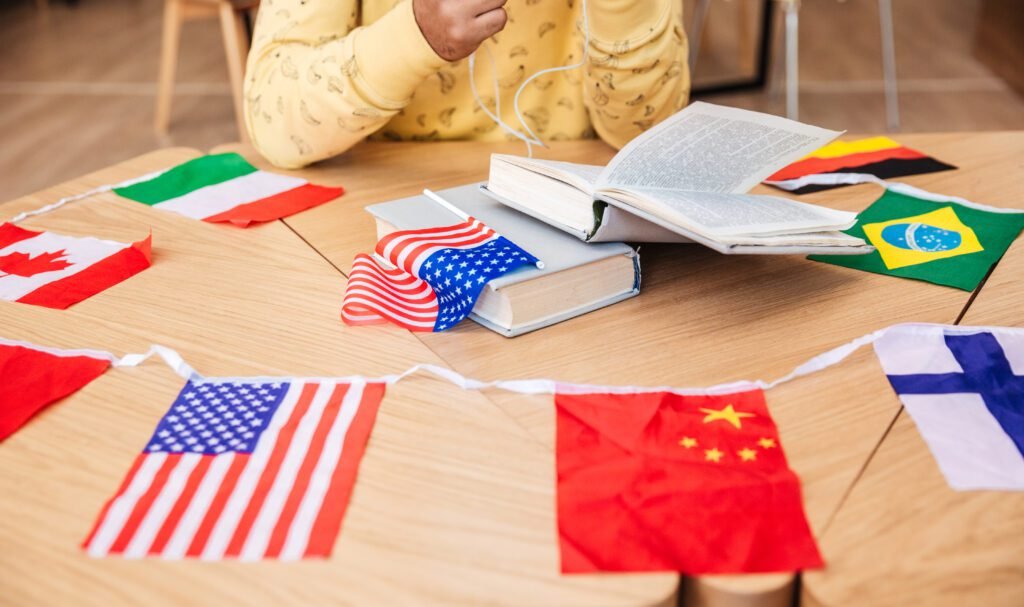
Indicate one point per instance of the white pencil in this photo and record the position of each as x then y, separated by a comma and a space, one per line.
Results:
458, 212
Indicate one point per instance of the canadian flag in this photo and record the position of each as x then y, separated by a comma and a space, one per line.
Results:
56, 271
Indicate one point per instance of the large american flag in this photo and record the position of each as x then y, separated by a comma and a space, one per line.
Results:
243, 468
432, 277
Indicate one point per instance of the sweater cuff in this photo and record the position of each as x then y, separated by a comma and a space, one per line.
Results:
620, 25
393, 58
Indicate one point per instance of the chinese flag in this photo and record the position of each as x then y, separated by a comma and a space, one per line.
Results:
657, 481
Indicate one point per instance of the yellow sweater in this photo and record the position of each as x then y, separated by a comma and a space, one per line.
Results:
324, 74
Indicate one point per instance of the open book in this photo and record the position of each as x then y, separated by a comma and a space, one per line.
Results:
684, 180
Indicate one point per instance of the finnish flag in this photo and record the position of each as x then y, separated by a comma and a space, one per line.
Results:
964, 389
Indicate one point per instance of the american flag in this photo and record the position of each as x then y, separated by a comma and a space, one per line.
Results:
243, 469
434, 279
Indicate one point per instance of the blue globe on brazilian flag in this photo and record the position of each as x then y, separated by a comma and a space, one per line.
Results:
941, 242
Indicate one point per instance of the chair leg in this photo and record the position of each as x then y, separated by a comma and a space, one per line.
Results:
745, 35
696, 35
792, 60
892, 104
168, 64
242, 30
230, 23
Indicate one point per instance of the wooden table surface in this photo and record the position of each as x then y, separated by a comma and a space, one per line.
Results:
454, 502
904, 537
702, 318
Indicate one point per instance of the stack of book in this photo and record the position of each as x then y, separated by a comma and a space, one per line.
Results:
683, 181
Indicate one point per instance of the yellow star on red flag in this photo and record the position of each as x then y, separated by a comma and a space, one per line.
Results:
728, 414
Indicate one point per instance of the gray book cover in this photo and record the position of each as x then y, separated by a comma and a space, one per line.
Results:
558, 250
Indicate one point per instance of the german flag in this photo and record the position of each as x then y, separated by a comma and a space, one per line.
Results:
878, 156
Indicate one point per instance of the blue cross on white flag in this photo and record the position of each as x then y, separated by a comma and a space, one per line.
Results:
964, 388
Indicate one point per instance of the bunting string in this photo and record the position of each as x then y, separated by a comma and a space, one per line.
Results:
82, 196
894, 186
822, 361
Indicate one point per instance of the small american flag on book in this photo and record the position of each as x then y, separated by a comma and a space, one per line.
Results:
245, 469
435, 275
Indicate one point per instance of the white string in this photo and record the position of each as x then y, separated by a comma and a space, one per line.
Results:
549, 386
828, 359
541, 385
171, 357
531, 138
551, 70
63, 201
895, 186
98, 354
68, 199
497, 104
521, 386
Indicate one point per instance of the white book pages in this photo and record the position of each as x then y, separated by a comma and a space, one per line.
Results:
582, 176
722, 216
711, 148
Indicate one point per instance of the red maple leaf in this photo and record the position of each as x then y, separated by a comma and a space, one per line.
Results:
20, 264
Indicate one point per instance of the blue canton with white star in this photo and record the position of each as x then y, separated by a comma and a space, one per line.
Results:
459, 275
213, 417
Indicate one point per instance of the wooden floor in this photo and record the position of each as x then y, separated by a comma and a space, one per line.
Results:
77, 87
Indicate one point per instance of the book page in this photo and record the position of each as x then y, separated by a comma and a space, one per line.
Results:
807, 239
587, 172
711, 148
581, 176
722, 216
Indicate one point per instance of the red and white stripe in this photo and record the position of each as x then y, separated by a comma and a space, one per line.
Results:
407, 249
285, 500
256, 197
376, 294
93, 266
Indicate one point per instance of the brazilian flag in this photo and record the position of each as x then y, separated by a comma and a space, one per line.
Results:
941, 242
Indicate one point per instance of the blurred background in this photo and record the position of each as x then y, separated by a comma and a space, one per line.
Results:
78, 80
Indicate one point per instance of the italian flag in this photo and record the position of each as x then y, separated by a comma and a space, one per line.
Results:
226, 188
56, 271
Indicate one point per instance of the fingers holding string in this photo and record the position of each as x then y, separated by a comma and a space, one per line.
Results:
480, 7
492, 21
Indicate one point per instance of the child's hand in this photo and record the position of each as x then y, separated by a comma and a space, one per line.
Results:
455, 28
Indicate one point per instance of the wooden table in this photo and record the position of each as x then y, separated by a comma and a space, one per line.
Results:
454, 503
702, 318
903, 536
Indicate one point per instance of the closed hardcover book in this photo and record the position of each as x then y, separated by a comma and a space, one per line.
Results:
576, 278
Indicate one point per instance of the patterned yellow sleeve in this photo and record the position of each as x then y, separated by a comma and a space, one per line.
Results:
316, 84
637, 74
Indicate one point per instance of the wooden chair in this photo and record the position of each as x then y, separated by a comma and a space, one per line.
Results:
791, 16
791, 11
236, 46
